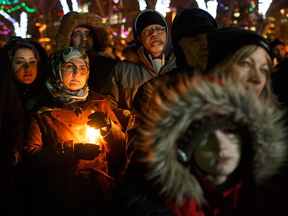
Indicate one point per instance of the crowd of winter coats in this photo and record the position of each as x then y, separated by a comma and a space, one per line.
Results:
192, 122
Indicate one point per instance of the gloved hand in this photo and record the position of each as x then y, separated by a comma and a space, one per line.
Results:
86, 151
98, 120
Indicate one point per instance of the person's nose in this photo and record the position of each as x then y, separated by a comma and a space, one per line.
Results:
221, 140
204, 44
254, 76
153, 33
26, 66
83, 37
76, 73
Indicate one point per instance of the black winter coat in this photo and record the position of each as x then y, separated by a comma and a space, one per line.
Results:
11, 139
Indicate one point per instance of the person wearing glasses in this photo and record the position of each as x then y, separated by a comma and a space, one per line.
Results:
149, 56
68, 172
86, 31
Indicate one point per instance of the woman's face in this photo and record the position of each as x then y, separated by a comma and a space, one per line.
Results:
219, 153
23, 66
251, 71
74, 73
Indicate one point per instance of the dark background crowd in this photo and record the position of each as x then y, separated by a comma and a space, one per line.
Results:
189, 113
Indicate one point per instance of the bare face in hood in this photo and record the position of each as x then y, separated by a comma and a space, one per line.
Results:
195, 50
218, 155
82, 38
154, 42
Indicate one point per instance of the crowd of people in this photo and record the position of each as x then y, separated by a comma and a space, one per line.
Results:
193, 121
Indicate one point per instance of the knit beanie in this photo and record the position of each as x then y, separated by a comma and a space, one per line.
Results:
189, 23
226, 41
147, 18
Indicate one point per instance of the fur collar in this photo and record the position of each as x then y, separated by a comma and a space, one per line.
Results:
189, 101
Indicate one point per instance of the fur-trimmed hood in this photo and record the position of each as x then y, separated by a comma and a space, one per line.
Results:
73, 19
190, 101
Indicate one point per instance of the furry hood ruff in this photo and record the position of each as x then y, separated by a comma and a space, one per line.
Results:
73, 19
193, 100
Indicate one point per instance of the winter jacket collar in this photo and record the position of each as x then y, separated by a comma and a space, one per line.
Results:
137, 56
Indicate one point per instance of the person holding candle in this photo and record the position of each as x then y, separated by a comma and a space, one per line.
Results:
70, 174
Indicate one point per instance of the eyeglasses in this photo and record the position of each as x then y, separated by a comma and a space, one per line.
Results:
73, 68
79, 34
149, 31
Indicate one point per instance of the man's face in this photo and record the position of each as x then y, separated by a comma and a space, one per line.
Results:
82, 38
279, 51
195, 50
154, 42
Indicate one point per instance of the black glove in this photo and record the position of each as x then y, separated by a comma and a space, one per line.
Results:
98, 120
86, 151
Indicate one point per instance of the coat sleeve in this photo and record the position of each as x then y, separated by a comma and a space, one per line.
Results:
38, 156
114, 142
12, 122
115, 94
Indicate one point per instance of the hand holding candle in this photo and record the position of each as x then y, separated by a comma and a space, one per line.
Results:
86, 151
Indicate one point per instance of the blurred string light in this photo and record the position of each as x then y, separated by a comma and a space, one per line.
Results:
65, 6
161, 6
19, 29
263, 6
5, 6
74, 5
124, 34
6, 30
210, 8
142, 4
8, 2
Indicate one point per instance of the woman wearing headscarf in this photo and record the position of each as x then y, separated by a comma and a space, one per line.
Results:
206, 149
22, 57
69, 174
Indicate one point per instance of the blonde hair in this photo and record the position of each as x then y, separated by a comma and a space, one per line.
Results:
221, 69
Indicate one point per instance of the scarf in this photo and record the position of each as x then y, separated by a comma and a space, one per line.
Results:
55, 83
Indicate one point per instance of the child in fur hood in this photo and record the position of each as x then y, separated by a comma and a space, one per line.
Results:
206, 149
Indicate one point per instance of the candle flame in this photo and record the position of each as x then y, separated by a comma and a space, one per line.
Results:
93, 135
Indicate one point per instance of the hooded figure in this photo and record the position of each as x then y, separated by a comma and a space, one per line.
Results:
68, 173
149, 57
11, 138
22, 57
86, 31
166, 175
189, 30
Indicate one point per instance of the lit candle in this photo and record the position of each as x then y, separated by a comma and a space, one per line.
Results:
93, 135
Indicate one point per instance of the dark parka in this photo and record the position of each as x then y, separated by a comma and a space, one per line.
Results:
100, 66
157, 182
11, 138
67, 185
128, 75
